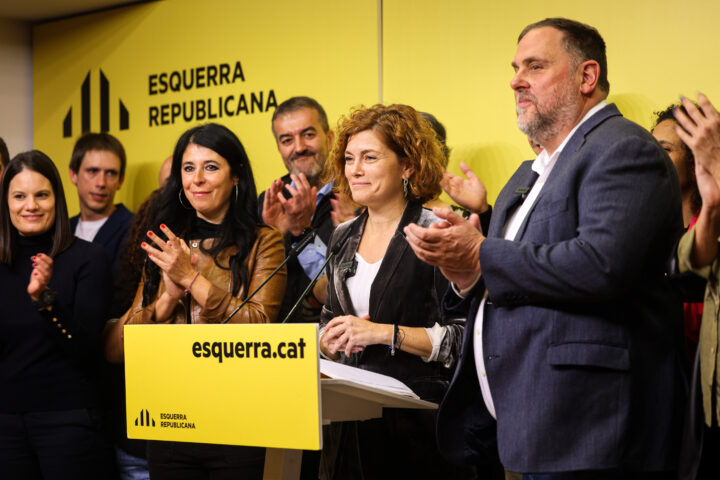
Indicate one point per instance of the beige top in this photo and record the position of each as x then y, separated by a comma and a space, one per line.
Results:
709, 340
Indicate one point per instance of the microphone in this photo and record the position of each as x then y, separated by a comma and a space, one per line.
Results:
348, 269
333, 251
523, 191
308, 235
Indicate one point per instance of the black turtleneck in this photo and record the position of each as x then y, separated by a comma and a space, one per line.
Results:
41, 369
202, 229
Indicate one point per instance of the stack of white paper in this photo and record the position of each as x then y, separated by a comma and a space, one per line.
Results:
364, 377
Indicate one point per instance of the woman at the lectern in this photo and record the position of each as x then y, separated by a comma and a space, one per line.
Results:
382, 310
54, 297
206, 251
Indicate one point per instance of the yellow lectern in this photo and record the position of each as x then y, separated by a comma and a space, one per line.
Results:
254, 385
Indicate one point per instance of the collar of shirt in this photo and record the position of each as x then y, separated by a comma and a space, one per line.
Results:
543, 161
325, 190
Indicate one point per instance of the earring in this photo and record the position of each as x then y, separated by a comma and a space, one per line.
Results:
405, 186
181, 202
236, 192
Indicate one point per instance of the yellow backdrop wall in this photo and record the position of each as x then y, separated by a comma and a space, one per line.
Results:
453, 59
449, 58
327, 50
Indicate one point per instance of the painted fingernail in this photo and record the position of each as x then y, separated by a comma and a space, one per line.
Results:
149, 234
32, 258
143, 244
162, 225
34, 264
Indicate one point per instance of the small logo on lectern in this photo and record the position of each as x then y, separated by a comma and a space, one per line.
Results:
144, 419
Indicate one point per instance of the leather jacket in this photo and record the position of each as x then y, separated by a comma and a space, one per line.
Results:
265, 255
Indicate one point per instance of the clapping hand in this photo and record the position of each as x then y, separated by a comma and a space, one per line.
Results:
700, 130
174, 258
453, 245
468, 192
40, 275
343, 209
291, 215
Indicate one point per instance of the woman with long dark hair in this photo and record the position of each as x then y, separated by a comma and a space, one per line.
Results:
55, 292
206, 251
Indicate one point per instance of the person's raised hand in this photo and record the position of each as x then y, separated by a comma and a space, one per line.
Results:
700, 130
453, 245
468, 192
40, 275
172, 256
300, 207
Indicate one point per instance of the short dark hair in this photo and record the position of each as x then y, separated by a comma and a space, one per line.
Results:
4, 154
62, 236
440, 132
667, 114
296, 103
97, 141
581, 40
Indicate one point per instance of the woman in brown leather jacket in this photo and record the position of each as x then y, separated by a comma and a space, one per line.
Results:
206, 251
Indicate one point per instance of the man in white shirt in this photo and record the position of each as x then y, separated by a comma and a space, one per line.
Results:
97, 169
570, 358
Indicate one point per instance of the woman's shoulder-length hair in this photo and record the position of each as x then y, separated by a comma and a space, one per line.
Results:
37, 161
406, 133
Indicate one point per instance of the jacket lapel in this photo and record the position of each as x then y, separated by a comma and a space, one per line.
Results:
395, 252
345, 263
510, 196
578, 138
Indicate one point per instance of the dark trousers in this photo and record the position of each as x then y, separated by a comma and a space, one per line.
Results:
401, 444
710, 458
600, 475
196, 461
61, 445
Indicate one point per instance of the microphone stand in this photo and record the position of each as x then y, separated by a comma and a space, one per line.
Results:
309, 287
335, 249
304, 242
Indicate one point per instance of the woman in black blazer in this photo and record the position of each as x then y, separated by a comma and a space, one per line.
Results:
54, 297
382, 311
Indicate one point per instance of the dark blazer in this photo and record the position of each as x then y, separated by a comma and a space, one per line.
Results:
297, 280
405, 291
580, 326
112, 234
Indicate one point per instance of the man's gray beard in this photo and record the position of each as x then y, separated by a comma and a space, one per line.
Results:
540, 128
544, 126
314, 175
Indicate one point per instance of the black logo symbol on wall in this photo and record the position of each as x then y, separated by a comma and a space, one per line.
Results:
144, 419
124, 116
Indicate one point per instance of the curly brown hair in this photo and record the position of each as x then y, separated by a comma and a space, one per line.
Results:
404, 132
